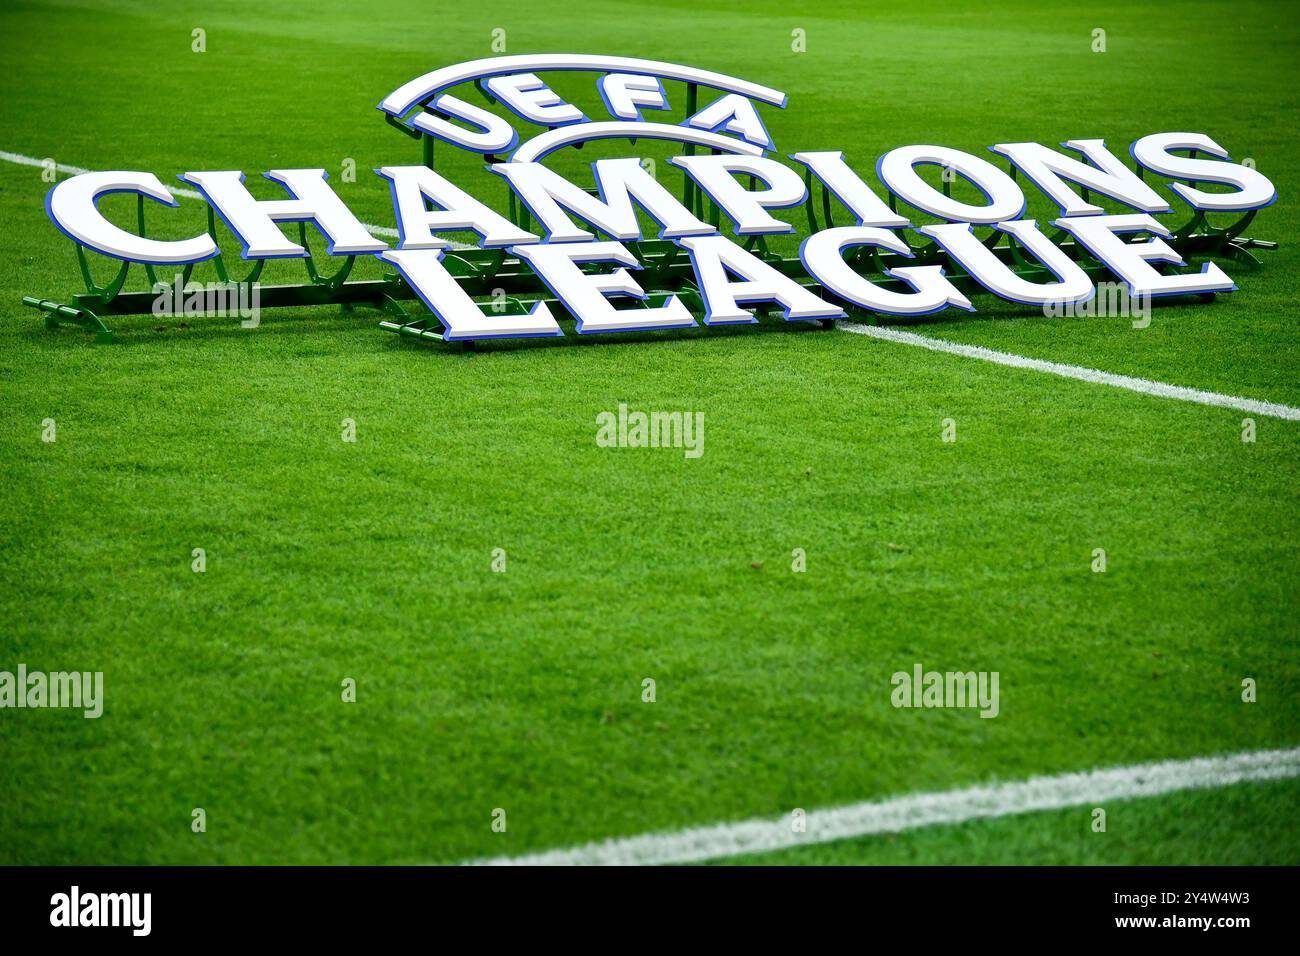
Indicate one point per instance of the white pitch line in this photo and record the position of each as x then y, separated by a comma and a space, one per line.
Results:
1143, 385
922, 810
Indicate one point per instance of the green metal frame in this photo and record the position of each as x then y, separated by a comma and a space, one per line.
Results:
666, 268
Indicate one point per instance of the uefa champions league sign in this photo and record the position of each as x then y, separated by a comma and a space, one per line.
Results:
885, 241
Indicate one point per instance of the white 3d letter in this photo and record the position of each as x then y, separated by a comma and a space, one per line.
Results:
823, 257
414, 186
254, 220
1253, 188
848, 188
1131, 260
534, 100
748, 210
714, 256
733, 113
1072, 285
494, 134
625, 93
897, 170
1109, 176
71, 204
460, 314
584, 294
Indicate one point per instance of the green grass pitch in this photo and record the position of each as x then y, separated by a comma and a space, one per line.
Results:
522, 690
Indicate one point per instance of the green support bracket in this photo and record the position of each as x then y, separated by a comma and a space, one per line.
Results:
57, 314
